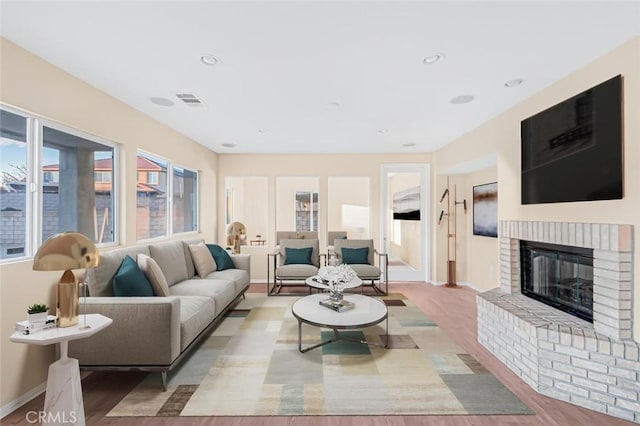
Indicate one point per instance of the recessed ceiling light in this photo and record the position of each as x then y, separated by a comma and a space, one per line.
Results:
408, 144
162, 101
229, 145
433, 59
514, 83
333, 104
462, 99
210, 60
383, 131
262, 131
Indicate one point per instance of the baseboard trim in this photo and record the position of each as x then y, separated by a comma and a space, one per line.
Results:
22, 399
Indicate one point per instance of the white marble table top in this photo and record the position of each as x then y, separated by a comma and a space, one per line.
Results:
96, 322
367, 311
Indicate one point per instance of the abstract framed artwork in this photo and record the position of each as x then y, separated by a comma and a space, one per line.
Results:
406, 204
485, 210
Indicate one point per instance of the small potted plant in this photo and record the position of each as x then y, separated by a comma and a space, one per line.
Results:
37, 313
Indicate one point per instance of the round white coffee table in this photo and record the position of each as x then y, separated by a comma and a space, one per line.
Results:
316, 282
368, 311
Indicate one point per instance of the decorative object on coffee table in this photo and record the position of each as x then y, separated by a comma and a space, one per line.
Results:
336, 278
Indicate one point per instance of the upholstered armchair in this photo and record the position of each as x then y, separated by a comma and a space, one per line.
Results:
294, 260
361, 255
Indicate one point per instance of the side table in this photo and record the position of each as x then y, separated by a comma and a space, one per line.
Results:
64, 391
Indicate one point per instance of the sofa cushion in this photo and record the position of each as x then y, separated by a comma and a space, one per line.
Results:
171, 258
222, 291
191, 269
100, 279
222, 258
298, 256
352, 256
195, 314
154, 274
296, 271
130, 280
239, 277
366, 271
202, 259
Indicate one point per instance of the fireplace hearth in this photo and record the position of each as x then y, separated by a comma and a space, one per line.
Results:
559, 276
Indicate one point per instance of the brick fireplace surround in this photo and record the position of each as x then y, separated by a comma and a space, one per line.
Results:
597, 365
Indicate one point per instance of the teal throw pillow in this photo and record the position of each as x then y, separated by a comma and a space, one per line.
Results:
130, 281
222, 258
298, 256
355, 256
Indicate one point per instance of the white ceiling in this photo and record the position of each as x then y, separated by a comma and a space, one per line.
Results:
284, 63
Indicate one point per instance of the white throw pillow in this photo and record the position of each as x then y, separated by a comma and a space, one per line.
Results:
202, 259
154, 274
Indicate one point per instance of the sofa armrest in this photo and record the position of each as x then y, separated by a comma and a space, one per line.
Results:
145, 332
242, 261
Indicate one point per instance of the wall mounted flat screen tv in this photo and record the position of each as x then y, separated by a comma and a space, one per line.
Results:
573, 150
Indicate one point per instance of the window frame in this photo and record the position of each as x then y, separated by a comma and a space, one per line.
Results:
35, 179
197, 206
169, 203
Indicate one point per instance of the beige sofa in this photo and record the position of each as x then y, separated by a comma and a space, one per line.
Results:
155, 333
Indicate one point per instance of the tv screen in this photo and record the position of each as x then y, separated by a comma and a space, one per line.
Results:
573, 150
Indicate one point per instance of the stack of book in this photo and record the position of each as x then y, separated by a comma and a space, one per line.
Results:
338, 306
26, 327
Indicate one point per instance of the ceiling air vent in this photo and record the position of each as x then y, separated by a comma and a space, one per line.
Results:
190, 99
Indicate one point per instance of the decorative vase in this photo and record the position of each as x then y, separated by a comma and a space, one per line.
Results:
335, 292
39, 317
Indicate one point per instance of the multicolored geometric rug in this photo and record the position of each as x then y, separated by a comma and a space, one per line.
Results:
250, 365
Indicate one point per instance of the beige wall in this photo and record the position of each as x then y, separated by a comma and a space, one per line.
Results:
482, 253
320, 166
249, 202
502, 136
29, 83
349, 195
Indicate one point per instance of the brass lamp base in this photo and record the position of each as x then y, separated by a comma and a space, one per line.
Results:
67, 300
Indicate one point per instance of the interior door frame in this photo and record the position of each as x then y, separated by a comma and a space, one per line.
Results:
424, 169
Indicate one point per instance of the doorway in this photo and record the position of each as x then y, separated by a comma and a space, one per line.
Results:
405, 204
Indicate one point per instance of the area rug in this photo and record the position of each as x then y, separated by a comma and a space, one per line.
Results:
250, 365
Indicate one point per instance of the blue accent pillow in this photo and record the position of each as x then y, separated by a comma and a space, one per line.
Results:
222, 258
130, 281
298, 256
355, 256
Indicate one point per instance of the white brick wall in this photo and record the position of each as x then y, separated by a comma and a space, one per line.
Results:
561, 356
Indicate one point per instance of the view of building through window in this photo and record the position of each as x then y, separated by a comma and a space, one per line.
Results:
151, 200
13, 184
67, 197
185, 200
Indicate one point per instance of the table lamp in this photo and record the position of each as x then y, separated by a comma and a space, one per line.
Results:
64, 252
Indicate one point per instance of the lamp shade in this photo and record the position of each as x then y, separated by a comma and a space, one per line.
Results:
64, 251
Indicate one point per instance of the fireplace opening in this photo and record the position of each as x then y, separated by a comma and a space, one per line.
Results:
560, 276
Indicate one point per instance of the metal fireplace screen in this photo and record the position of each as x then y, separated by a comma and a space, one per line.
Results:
560, 276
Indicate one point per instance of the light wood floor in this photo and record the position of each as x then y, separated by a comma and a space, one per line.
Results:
454, 310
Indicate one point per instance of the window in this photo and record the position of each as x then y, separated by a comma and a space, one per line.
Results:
14, 169
151, 215
153, 178
158, 214
306, 211
58, 192
103, 176
185, 197
75, 200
